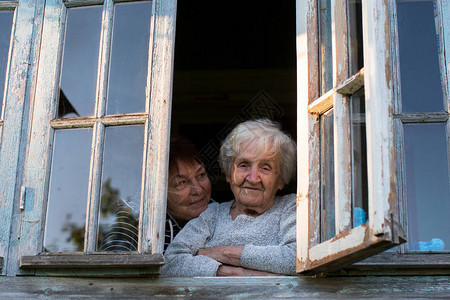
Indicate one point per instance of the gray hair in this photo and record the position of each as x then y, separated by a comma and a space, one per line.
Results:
267, 136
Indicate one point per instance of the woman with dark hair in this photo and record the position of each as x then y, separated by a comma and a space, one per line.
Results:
188, 189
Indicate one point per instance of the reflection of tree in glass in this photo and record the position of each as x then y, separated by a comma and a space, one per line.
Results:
120, 235
76, 233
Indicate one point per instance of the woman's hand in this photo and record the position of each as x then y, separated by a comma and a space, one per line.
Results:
239, 271
229, 255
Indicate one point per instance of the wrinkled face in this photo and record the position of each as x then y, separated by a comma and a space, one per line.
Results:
255, 179
188, 192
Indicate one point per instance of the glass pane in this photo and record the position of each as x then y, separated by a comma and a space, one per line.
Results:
427, 187
6, 18
359, 159
325, 50
355, 36
129, 58
67, 201
80, 61
121, 189
327, 176
421, 85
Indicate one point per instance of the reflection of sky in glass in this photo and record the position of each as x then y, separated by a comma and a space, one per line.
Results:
419, 60
79, 69
129, 58
427, 184
122, 165
68, 189
327, 157
5, 36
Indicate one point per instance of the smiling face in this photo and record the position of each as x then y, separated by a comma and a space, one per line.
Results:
254, 180
188, 192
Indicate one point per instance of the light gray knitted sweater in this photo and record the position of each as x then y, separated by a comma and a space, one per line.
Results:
269, 240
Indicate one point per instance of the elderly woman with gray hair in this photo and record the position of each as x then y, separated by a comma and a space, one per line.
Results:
254, 234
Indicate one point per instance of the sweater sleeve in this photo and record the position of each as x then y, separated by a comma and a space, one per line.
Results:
181, 258
279, 258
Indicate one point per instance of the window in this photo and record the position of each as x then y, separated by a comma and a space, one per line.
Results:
346, 202
95, 177
378, 139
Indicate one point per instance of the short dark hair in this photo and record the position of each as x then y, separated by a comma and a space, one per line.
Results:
182, 149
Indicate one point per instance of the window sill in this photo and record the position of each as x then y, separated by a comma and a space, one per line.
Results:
419, 263
96, 264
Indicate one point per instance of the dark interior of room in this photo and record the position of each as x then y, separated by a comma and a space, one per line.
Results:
233, 62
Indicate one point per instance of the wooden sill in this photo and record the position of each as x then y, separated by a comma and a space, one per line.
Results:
95, 264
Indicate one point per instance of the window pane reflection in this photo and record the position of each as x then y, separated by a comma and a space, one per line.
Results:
6, 18
129, 58
66, 212
79, 68
325, 48
121, 189
427, 187
327, 176
419, 59
355, 36
359, 159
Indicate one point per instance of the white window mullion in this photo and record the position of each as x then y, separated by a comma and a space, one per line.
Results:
342, 139
94, 194
98, 138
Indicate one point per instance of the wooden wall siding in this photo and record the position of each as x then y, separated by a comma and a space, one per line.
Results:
227, 288
155, 188
19, 91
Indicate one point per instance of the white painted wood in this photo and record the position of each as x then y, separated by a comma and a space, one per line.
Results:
342, 122
15, 106
379, 116
332, 247
155, 185
303, 135
342, 164
41, 135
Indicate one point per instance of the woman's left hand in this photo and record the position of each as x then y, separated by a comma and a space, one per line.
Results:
229, 255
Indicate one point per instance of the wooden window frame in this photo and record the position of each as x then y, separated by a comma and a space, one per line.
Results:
402, 261
382, 231
148, 259
15, 104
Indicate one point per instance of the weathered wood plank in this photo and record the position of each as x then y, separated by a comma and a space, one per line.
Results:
305, 9
95, 260
423, 118
323, 103
153, 213
352, 84
379, 116
18, 92
38, 153
226, 288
